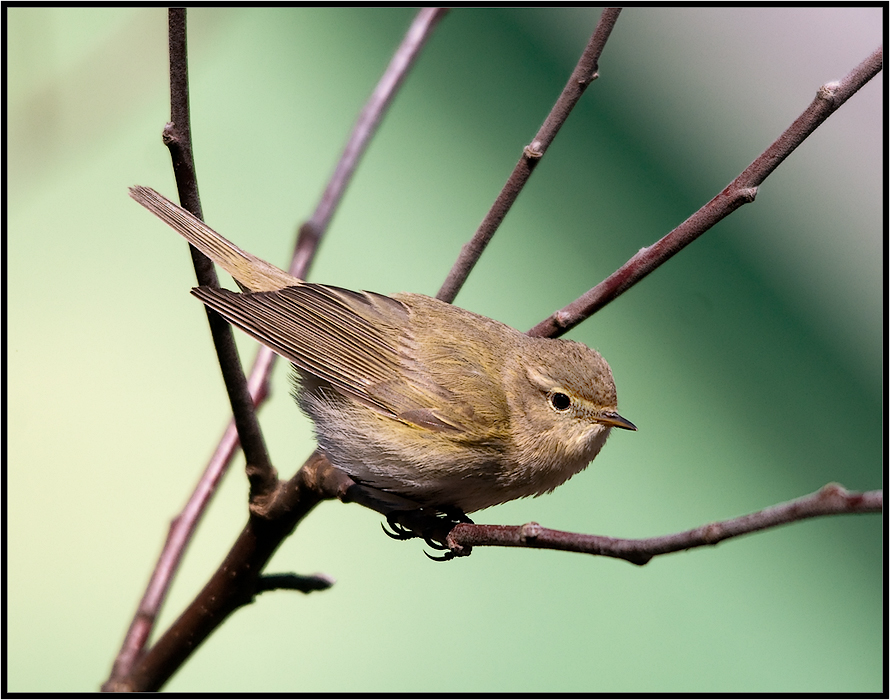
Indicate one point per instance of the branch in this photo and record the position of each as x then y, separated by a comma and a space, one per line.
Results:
177, 136
740, 191
238, 579
584, 74
831, 499
364, 129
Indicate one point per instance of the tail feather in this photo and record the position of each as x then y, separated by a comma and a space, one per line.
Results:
248, 270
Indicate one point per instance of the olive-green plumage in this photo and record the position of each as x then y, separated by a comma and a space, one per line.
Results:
412, 395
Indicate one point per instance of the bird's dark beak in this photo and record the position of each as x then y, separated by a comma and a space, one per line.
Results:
613, 419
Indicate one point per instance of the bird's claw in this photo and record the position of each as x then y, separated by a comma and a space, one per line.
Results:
450, 553
432, 527
399, 531
448, 556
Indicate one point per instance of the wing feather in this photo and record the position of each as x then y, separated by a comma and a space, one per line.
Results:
358, 342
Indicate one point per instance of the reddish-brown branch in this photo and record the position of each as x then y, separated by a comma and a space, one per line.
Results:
177, 137
740, 191
236, 581
832, 499
583, 75
365, 128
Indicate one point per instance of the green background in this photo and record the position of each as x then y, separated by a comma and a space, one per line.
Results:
751, 362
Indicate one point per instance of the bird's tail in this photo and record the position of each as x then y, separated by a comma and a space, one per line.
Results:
251, 272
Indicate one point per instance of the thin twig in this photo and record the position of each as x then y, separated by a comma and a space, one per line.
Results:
178, 536
585, 73
831, 499
364, 129
740, 191
177, 136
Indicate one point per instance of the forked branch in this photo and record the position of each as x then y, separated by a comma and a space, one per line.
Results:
177, 137
740, 191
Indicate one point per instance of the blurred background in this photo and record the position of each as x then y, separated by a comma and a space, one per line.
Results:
752, 362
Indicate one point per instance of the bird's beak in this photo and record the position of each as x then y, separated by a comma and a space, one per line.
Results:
613, 419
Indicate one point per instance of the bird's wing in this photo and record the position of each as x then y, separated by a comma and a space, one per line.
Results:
358, 342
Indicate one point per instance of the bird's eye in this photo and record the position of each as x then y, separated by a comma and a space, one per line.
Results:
560, 401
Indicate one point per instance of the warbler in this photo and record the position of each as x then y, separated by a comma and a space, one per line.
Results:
414, 396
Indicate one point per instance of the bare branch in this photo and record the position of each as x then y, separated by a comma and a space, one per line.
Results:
364, 129
740, 191
831, 499
585, 73
236, 581
177, 137
181, 529
177, 133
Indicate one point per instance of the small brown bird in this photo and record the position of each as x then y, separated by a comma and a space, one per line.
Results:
414, 396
